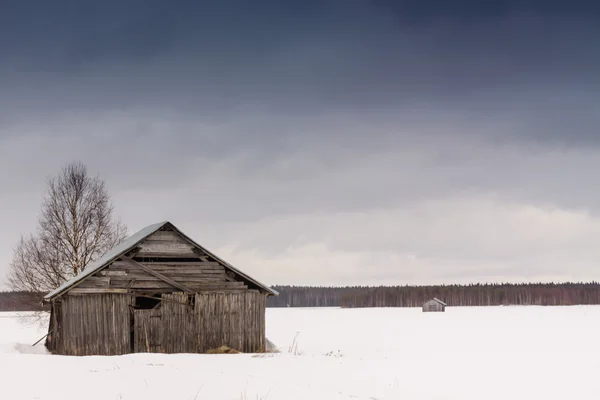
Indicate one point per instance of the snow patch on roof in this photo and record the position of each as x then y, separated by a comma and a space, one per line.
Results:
439, 301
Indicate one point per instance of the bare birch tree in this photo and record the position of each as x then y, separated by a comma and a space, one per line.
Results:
75, 228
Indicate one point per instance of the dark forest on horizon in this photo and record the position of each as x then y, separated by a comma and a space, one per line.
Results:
543, 294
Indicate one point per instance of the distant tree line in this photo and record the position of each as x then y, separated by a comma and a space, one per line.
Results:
545, 294
308, 296
20, 301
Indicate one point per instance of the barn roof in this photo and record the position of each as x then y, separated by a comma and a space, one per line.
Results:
132, 242
439, 301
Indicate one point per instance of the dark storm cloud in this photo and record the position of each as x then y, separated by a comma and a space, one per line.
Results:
215, 57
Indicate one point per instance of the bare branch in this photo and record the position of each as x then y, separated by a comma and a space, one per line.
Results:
75, 228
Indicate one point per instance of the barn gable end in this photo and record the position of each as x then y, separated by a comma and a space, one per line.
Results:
164, 254
158, 291
162, 259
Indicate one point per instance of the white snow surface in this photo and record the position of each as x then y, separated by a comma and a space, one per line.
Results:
386, 353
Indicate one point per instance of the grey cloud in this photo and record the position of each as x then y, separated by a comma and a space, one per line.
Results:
211, 59
316, 134
359, 197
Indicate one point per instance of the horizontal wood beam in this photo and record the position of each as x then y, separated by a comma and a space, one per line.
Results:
152, 254
204, 290
196, 286
165, 247
122, 281
198, 263
111, 272
175, 271
158, 275
173, 264
78, 290
179, 278
165, 236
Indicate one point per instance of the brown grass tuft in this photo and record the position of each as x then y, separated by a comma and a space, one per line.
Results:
223, 350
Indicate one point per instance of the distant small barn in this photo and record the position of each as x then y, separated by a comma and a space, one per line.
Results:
161, 292
434, 305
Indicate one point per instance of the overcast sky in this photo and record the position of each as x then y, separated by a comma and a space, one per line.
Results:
319, 142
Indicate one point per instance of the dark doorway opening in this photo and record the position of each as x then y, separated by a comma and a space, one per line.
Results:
145, 306
147, 302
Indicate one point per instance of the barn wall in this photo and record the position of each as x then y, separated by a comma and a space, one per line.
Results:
179, 324
95, 324
54, 328
172, 328
147, 331
433, 306
236, 320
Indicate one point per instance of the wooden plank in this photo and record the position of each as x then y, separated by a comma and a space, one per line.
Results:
218, 285
191, 285
190, 273
179, 325
230, 318
147, 331
166, 236
120, 279
186, 270
170, 272
122, 282
94, 282
176, 276
150, 284
197, 267
79, 291
111, 272
198, 263
153, 291
159, 267
156, 254
158, 275
98, 279
95, 324
164, 247
191, 263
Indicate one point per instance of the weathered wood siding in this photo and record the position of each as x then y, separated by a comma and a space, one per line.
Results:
166, 244
162, 253
169, 329
236, 320
204, 305
96, 324
180, 329
54, 327
147, 331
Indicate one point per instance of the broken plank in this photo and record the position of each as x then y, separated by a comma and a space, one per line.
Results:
158, 275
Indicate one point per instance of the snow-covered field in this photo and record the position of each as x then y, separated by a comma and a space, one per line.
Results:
397, 354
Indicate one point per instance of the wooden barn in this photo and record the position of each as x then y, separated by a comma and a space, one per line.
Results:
161, 292
434, 305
